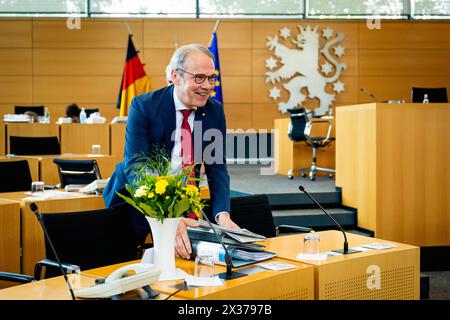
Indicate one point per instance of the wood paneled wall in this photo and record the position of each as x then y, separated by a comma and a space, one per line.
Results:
43, 62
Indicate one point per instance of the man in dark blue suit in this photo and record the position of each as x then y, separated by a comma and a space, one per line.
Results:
156, 118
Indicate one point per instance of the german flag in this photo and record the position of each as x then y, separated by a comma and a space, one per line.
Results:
134, 79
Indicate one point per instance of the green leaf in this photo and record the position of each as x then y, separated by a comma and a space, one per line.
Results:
130, 202
148, 210
181, 207
130, 189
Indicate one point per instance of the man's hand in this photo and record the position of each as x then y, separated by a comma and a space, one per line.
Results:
225, 221
182, 243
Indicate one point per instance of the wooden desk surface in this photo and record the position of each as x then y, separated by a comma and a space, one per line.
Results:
296, 284
375, 274
33, 248
289, 246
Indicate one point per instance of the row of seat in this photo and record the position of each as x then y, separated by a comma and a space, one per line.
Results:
107, 236
39, 110
15, 175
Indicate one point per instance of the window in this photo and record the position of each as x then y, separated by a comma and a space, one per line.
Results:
357, 9
245, 8
299, 9
42, 7
430, 9
151, 8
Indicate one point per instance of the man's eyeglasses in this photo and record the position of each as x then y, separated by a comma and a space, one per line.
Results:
200, 78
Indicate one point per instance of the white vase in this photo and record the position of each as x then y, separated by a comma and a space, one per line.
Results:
163, 234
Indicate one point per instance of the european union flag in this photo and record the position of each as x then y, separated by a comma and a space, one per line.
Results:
217, 93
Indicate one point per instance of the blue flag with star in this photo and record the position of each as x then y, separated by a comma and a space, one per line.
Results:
217, 93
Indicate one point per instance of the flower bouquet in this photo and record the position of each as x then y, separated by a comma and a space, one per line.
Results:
163, 198
159, 194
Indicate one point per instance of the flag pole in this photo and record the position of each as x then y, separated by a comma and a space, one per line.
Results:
128, 28
176, 41
216, 26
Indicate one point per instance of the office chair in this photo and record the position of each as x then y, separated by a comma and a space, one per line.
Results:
34, 145
255, 214
39, 110
88, 239
15, 176
435, 95
77, 171
299, 130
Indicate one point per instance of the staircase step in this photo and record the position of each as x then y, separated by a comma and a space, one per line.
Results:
299, 200
315, 218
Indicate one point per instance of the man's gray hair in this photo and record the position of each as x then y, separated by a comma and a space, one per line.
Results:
180, 55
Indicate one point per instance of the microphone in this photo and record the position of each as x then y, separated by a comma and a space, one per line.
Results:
346, 250
229, 274
369, 94
35, 210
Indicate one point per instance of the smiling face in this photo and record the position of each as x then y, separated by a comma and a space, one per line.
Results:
192, 94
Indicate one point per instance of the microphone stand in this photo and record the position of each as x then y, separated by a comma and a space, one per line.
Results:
371, 96
346, 250
35, 210
228, 261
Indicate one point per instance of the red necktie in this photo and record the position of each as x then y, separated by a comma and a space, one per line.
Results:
187, 145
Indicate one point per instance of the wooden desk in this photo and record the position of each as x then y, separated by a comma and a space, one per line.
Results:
33, 164
78, 138
33, 247
296, 155
117, 139
9, 238
392, 162
294, 284
31, 130
2, 139
347, 276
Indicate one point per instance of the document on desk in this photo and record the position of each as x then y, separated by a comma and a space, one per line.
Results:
51, 194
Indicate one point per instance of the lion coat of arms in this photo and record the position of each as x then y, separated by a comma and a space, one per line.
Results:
300, 67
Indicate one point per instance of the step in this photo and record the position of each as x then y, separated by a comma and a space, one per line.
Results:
299, 200
315, 218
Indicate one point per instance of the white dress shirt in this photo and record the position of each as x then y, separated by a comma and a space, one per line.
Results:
176, 159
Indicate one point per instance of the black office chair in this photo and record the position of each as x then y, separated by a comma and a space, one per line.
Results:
299, 130
39, 110
77, 171
15, 176
255, 214
34, 145
435, 95
88, 239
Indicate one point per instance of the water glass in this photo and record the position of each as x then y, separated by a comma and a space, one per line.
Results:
204, 266
37, 186
311, 243
96, 148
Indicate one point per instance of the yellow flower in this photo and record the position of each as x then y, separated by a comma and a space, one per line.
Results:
160, 186
167, 197
150, 195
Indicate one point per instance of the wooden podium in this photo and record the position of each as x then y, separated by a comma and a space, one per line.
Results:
392, 162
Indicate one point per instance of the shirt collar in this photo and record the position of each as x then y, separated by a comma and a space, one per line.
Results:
178, 104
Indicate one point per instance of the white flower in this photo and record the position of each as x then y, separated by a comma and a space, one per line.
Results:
141, 191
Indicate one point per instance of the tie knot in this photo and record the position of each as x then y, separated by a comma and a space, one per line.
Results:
186, 113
